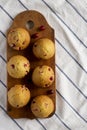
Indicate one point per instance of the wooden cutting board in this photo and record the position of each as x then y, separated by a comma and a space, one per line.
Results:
31, 21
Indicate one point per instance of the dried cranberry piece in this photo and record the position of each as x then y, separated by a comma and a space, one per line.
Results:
51, 78
50, 91
34, 36
13, 66
41, 28
26, 71
25, 65
49, 69
46, 85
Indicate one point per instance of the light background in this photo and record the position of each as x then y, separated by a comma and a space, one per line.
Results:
69, 20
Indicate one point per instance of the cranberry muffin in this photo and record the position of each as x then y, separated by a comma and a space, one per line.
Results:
43, 76
18, 38
18, 96
44, 48
18, 66
42, 106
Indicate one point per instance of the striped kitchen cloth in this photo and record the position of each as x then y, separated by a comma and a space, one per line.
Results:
69, 20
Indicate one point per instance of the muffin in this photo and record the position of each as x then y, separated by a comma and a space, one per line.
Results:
44, 48
43, 76
18, 38
18, 96
42, 106
18, 66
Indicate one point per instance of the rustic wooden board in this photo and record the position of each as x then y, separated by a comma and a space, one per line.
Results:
21, 21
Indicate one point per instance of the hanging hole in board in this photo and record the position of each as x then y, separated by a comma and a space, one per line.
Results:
29, 24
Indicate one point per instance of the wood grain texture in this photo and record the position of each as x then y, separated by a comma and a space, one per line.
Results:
20, 21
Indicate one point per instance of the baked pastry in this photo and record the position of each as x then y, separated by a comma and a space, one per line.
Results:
42, 106
43, 76
18, 66
18, 96
44, 48
18, 38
